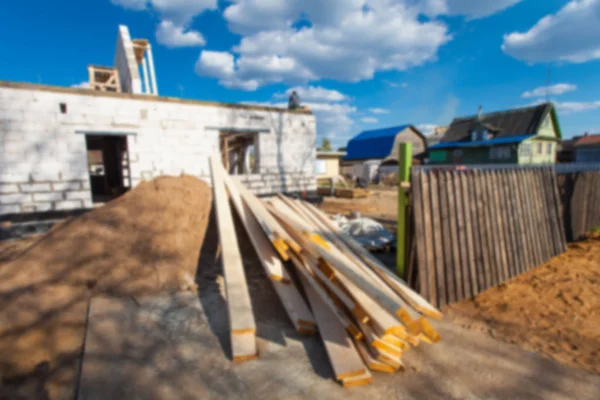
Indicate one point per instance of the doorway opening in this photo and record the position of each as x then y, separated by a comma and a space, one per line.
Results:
108, 166
239, 152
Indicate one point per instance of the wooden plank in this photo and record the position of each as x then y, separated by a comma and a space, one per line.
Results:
429, 272
454, 236
527, 240
490, 227
378, 314
361, 380
419, 233
461, 236
239, 306
372, 363
470, 241
499, 206
405, 313
483, 272
516, 208
343, 356
531, 211
550, 212
303, 270
445, 218
554, 204
541, 218
437, 239
509, 232
396, 283
292, 300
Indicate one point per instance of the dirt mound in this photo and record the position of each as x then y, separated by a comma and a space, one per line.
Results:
145, 242
553, 309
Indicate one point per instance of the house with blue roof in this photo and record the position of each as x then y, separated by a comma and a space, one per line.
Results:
528, 135
382, 144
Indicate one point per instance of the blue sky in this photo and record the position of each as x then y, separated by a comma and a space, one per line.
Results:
359, 64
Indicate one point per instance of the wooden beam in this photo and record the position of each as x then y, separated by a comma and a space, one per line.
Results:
291, 299
344, 358
412, 297
239, 306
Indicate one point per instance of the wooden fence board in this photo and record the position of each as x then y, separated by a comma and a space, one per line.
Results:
484, 270
453, 218
466, 209
437, 236
520, 226
461, 237
530, 257
491, 226
476, 228
446, 238
419, 233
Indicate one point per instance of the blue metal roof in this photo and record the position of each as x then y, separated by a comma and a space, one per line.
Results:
482, 143
376, 144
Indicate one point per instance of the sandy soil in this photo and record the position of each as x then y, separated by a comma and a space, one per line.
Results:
553, 309
146, 242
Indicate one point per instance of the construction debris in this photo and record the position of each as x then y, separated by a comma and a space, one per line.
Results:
366, 316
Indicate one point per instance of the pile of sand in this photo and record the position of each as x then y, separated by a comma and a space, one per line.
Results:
145, 242
553, 309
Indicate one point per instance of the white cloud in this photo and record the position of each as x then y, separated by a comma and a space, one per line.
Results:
341, 39
379, 110
221, 65
556, 89
176, 17
369, 120
572, 35
314, 93
172, 35
82, 85
569, 107
426, 129
472, 9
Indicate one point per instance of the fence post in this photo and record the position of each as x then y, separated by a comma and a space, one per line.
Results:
404, 163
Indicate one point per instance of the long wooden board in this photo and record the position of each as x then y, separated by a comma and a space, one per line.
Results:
292, 300
239, 306
345, 359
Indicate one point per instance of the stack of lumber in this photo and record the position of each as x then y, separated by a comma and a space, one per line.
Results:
366, 316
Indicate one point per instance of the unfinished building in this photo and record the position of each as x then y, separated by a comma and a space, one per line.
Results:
68, 148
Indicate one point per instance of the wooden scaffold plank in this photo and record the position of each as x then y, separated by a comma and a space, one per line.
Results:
241, 318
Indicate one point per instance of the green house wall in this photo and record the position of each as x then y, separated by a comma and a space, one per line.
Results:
471, 155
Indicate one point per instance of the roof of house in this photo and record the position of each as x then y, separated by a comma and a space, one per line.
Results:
374, 144
588, 141
509, 123
479, 143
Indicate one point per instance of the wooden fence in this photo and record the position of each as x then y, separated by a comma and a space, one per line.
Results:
477, 228
580, 202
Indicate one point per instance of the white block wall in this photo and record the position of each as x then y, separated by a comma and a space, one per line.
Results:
126, 64
43, 161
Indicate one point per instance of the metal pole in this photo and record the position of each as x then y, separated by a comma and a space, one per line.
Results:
404, 163
152, 73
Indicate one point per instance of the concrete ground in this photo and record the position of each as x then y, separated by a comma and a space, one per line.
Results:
169, 347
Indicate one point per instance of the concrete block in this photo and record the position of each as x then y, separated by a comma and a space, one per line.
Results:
8, 188
52, 196
9, 209
42, 207
79, 195
68, 205
66, 186
15, 198
35, 187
